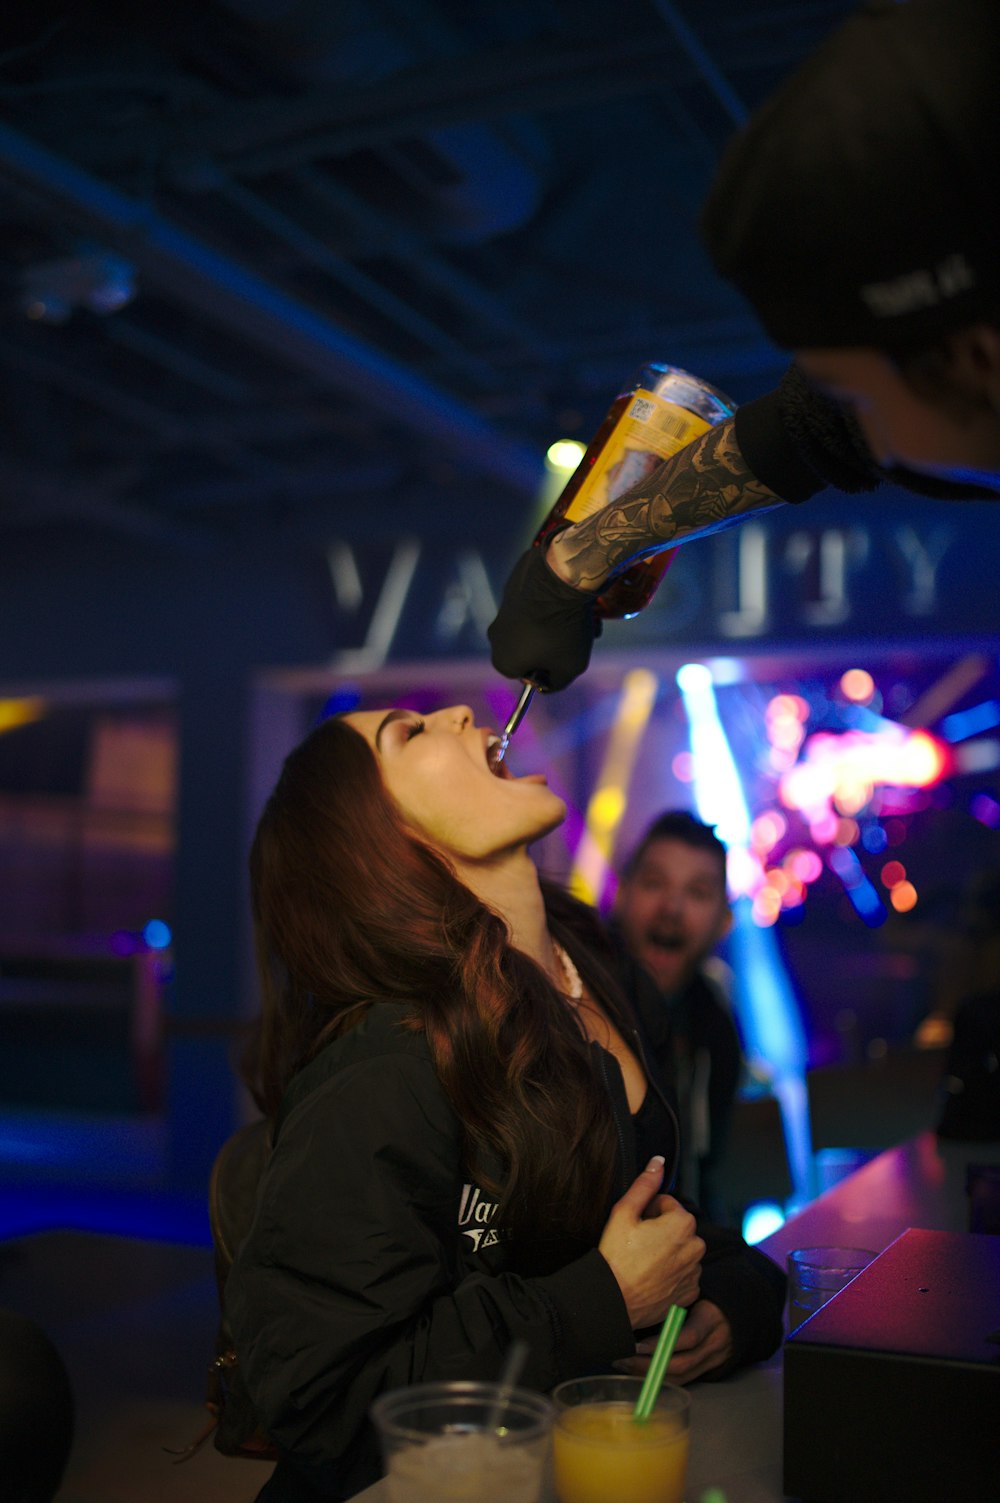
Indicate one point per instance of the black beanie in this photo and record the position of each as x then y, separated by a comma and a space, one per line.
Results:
861, 204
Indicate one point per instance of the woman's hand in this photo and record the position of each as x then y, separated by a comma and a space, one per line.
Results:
705, 1342
651, 1247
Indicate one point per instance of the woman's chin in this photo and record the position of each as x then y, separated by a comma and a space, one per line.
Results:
557, 816
548, 816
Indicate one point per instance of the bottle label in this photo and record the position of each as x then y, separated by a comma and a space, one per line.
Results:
649, 431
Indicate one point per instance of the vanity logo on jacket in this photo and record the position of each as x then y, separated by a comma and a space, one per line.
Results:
475, 1216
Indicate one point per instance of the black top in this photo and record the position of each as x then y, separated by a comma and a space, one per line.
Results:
655, 1132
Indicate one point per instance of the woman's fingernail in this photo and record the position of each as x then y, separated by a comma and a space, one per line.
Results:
655, 1164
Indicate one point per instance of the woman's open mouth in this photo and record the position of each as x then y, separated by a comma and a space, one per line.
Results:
497, 767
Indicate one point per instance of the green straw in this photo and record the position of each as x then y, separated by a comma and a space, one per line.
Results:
665, 1342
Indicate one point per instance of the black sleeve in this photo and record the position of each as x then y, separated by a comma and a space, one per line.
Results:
355, 1278
749, 1289
798, 441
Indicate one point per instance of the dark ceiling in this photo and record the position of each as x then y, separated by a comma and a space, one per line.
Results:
315, 263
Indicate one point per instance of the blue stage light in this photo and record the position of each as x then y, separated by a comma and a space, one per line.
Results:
765, 999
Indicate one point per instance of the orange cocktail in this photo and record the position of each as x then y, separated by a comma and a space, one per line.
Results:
600, 1452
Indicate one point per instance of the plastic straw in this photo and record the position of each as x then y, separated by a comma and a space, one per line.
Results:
517, 1355
665, 1342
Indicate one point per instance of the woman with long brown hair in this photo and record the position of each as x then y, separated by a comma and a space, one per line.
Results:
462, 1107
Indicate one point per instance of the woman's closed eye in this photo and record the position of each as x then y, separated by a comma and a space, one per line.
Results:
401, 726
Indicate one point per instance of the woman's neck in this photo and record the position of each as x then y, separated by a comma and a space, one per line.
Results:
510, 886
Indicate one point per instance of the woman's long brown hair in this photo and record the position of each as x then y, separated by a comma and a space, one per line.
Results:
351, 908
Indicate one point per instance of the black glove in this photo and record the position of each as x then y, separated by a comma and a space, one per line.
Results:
545, 628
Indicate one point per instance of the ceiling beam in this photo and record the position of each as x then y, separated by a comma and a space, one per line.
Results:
322, 122
225, 293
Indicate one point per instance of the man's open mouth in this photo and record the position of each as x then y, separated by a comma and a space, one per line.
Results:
672, 943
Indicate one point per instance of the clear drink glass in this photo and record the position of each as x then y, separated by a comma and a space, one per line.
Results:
599, 1452
816, 1274
464, 1443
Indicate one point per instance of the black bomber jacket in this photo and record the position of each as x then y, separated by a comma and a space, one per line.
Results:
375, 1261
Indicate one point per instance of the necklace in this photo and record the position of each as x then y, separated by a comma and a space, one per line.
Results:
574, 984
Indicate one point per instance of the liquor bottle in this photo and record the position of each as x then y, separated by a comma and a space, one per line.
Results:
659, 412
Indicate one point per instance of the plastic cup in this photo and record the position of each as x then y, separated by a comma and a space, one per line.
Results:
601, 1452
816, 1274
464, 1443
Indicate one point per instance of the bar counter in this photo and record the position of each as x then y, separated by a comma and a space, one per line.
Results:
736, 1436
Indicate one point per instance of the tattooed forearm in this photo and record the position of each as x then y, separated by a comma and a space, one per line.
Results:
701, 490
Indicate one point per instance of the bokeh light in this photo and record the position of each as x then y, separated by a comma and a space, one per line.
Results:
766, 907
805, 866
682, 767
824, 829
874, 838
564, 455
157, 934
986, 809
607, 807
858, 686
766, 830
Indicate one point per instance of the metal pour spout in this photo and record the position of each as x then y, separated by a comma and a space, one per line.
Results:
519, 711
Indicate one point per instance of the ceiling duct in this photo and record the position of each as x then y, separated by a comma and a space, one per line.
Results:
460, 184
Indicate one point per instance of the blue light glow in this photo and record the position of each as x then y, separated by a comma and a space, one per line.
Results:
859, 889
694, 678
765, 1000
768, 1008
728, 671
970, 722
986, 809
874, 838
344, 699
151, 1214
760, 1220
157, 934
717, 788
